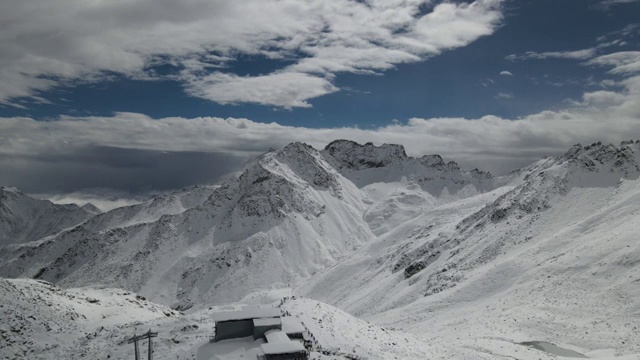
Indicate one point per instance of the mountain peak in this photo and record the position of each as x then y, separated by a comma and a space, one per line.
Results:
91, 209
355, 156
10, 189
432, 160
624, 156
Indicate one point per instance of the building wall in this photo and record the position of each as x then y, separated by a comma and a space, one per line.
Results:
234, 329
289, 356
258, 331
295, 336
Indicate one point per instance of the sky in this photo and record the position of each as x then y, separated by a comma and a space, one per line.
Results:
117, 100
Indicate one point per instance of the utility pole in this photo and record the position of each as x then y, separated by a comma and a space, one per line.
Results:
135, 339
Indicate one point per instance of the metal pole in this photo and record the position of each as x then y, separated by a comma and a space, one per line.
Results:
135, 343
150, 347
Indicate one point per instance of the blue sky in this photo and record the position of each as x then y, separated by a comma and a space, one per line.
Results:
461, 82
488, 83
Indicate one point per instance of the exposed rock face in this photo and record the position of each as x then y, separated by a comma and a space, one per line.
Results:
351, 155
367, 164
24, 219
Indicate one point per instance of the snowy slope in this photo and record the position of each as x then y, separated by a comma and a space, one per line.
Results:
24, 219
29, 257
423, 259
399, 187
553, 259
46, 322
40, 320
268, 227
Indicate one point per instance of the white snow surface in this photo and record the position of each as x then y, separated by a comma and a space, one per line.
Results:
390, 257
24, 219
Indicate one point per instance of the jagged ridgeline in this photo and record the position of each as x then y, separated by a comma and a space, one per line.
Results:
467, 264
287, 215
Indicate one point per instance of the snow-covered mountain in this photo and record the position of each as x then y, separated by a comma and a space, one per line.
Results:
460, 263
368, 164
399, 187
286, 216
551, 259
24, 219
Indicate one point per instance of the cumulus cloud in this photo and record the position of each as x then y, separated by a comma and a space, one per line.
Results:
45, 43
174, 152
135, 154
285, 89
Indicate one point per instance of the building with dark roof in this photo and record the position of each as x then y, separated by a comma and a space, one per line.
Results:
267, 324
238, 324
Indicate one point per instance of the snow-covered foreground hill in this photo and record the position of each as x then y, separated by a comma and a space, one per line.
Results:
423, 259
46, 322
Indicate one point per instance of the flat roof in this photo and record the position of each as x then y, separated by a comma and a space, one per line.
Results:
279, 343
247, 313
266, 322
292, 325
276, 336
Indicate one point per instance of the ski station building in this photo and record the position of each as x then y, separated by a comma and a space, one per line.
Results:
280, 333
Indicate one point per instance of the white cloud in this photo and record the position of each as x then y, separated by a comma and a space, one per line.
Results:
606, 4
105, 201
613, 2
125, 142
47, 43
574, 55
505, 96
506, 73
623, 62
490, 142
286, 89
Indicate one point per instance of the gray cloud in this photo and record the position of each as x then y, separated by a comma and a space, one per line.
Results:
112, 173
45, 43
137, 155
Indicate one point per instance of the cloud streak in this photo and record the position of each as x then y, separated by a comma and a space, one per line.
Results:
606, 4
573, 55
47, 44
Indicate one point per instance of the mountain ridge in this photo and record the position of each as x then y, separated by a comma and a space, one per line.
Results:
473, 265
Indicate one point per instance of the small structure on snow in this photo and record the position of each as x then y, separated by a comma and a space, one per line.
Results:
280, 347
267, 324
237, 324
